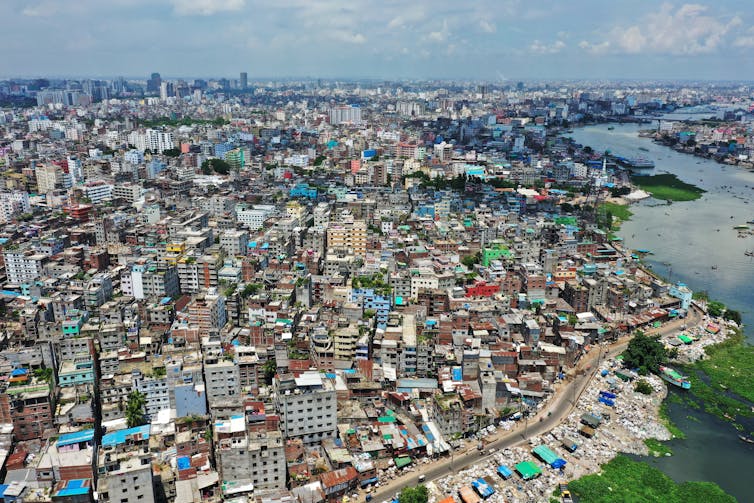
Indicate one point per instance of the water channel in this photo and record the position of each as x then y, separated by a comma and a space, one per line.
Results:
695, 243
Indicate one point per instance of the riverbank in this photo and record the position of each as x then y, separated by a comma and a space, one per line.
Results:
626, 427
625, 480
667, 187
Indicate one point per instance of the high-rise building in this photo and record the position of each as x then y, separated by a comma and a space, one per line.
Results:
153, 84
345, 114
244, 80
307, 406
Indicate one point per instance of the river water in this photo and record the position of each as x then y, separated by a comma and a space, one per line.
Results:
688, 239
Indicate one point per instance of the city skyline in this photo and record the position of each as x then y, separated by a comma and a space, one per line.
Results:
491, 41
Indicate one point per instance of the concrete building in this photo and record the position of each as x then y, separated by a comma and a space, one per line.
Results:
348, 235
307, 406
249, 457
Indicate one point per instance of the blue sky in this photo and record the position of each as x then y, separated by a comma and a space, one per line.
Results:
492, 40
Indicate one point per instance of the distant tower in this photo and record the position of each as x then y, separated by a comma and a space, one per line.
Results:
244, 81
153, 84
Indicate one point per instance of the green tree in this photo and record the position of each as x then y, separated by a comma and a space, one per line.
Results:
416, 494
732, 315
643, 387
470, 260
644, 353
270, 367
715, 308
135, 413
217, 165
250, 289
171, 152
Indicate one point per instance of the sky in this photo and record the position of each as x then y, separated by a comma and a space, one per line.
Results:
492, 40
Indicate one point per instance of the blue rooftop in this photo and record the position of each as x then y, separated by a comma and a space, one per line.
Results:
119, 437
75, 437
18, 372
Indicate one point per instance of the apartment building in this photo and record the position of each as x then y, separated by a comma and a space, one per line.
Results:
307, 406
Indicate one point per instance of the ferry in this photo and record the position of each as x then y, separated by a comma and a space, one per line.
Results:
674, 378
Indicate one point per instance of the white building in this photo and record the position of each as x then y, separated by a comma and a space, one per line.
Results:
23, 266
345, 114
98, 191
307, 406
13, 203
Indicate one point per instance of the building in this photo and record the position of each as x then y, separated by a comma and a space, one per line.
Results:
13, 203
222, 381
28, 403
124, 467
98, 191
244, 81
148, 279
23, 266
208, 311
307, 406
234, 242
345, 114
249, 457
349, 236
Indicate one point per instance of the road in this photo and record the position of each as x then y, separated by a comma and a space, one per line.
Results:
551, 415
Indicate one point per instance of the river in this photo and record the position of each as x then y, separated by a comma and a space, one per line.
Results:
688, 239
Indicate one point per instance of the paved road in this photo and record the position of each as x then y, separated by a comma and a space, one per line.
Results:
551, 415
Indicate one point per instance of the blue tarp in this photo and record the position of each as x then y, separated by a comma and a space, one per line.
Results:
457, 374
483, 488
606, 401
367, 482
119, 437
184, 463
607, 394
18, 372
504, 471
75, 437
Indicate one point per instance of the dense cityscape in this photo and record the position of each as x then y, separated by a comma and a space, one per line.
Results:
309, 291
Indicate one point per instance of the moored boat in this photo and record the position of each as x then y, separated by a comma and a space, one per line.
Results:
674, 378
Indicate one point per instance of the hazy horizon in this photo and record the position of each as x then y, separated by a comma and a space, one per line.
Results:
488, 40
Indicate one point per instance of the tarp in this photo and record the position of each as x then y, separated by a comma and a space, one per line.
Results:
528, 470
483, 488
367, 482
504, 471
402, 461
548, 456
685, 339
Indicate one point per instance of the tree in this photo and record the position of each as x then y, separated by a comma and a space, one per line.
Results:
217, 165
269, 367
643, 387
644, 353
715, 308
416, 494
250, 289
732, 315
135, 414
171, 152
470, 260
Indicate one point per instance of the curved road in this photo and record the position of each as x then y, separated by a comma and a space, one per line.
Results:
552, 414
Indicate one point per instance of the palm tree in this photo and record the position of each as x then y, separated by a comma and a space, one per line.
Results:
135, 409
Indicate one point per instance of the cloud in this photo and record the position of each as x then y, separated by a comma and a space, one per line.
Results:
206, 7
349, 38
688, 30
542, 48
745, 41
487, 27
440, 35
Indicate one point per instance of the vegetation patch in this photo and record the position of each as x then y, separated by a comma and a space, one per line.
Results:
668, 187
669, 424
657, 448
728, 368
625, 480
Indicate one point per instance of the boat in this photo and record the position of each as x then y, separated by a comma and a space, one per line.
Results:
645, 149
674, 378
610, 128
742, 227
746, 439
